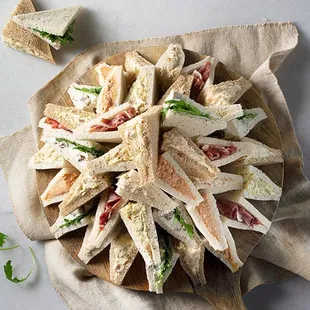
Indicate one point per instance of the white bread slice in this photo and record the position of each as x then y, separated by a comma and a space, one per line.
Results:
225, 93
188, 155
97, 238
47, 158
83, 132
192, 125
139, 222
20, 39
172, 179
113, 91
140, 136
207, 220
243, 149
77, 219
169, 66
238, 128
128, 187
227, 112
257, 185
83, 189
192, 261
116, 159
264, 225
59, 186
143, 92
224, 182
229, 256
182, 85
122, 254
103, 70
69, 117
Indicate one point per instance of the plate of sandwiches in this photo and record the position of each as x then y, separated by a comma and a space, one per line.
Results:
159, 169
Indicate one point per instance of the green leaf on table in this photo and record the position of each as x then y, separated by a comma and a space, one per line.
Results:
3, 238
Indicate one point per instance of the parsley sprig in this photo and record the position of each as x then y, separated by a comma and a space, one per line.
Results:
74, 221
189, 228
85, 149
91, 90
3, 238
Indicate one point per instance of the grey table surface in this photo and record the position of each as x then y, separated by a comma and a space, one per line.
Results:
106, 21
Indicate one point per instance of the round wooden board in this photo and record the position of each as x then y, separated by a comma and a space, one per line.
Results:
217, 274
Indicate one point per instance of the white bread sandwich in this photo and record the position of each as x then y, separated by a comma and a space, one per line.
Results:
84, 97
104, 127
113, 91
227, 112
53, 26
22, 40
59, 186
47, 158
203, 73
84, 189
224, 182
123, 252
104, 227
171, 178
51, 128
189, 116
143, 92
103, 70
77, 152
140, 136
130, 188
188, 155
207, 220
239, 128
169, 66
76, 219
238, 213
225, 93
67, 118
116, 159
256, 184
229, 256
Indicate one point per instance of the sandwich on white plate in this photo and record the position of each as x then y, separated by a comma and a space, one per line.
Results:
129, 187
84, 189
116, 159
191, 117
227, 112
169, 66
237, 212
143, 92
77, 152
188, 155
224, 93
206, 218
52, 128
59, 186
140, 136
47, 158
114, 90
239, 127
229, 256
203, 73
76, 219
84, 97
53, 26
123, 252
224, 182
256, 184
171, 178
104, 128
105, 226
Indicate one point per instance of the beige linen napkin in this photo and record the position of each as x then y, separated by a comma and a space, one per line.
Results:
254, 51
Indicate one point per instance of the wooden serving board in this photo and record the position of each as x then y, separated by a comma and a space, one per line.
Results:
222, 287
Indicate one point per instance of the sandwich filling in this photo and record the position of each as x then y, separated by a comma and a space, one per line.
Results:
215, 152
200, 77
165, 264
188, 227
236, 212
247, 116
55, 124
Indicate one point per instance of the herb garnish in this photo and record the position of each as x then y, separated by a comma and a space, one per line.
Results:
3, 237
165, 262
8, 270
189, 228
85, 149
182, 106
73, 221
92, 90
247, 116
62, 39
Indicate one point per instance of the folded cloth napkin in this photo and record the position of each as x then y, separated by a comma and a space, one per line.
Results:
256, 52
